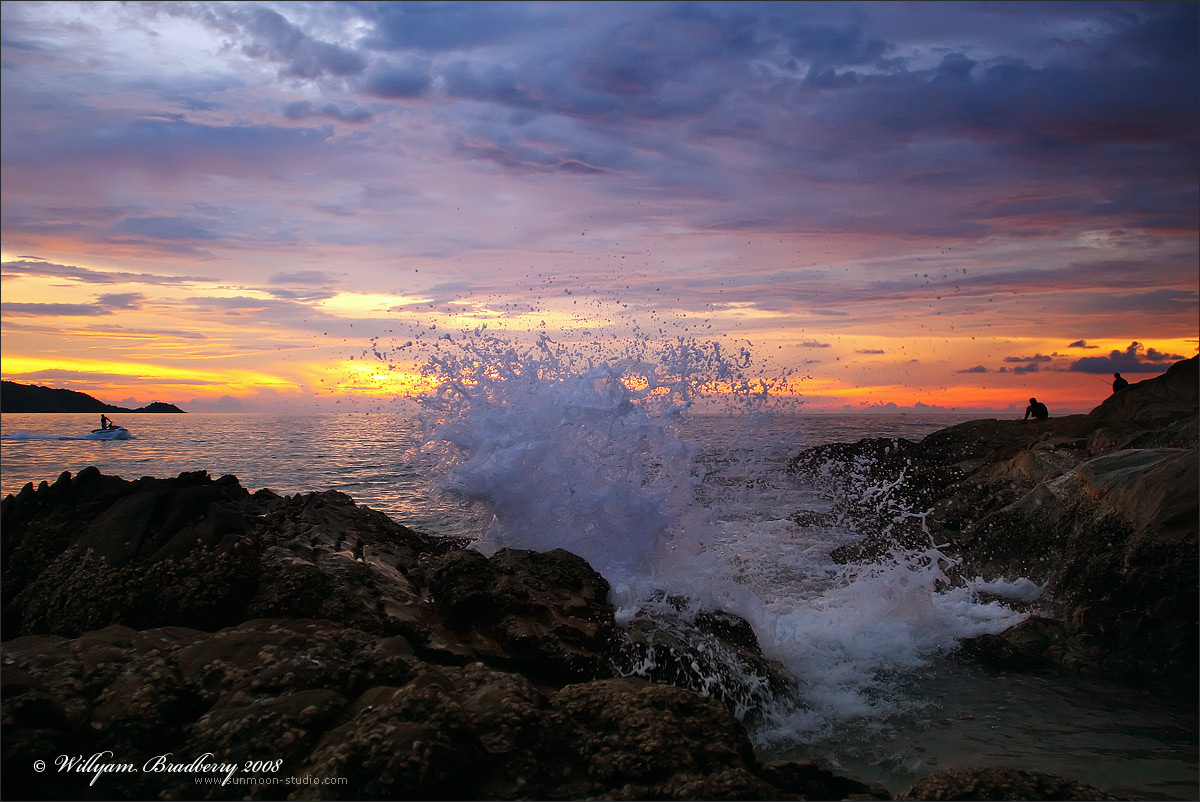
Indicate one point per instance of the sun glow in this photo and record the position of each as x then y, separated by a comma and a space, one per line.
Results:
357, 377
25, 369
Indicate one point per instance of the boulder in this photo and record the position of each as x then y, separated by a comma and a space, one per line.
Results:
546, 612
1000, 782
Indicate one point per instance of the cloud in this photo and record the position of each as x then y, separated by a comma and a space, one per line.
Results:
121, 301
168, 148
436, 26
268, 35
1034, 358
41, 268
872, 351
1081, 344
65, 376
813, 344
1030, 368
1136, 358
167, 228
396, 81
53, 310
317, 278
303, 110
314, 285
976, 369
103, 305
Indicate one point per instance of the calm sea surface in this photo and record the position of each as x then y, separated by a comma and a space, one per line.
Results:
887, 700
376, 459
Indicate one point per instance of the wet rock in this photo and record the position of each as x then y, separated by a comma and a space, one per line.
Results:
712, 652
548, 612
1001, 782
186, 617
136, 553
1100, 508
318, 699
809, 781
1034, 643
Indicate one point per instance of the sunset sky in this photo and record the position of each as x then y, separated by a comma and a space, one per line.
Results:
257, 205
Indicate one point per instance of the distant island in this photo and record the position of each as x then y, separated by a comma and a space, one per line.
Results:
16, 397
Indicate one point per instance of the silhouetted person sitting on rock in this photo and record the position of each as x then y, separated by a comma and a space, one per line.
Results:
1037, 409
1119, 383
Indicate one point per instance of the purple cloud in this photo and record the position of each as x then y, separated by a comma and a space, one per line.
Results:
1136, 358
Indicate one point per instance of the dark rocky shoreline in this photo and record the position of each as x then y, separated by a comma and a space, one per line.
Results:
189, 616
1101, 509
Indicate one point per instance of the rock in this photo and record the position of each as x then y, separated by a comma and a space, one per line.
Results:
186, 617
138, 553
1154, 402
329, 701
1100, 508
809, 781
712, 652
1000, 782
546, 612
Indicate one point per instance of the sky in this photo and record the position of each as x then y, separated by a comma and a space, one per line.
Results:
257, 206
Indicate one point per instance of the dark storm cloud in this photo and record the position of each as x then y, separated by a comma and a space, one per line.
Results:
1137, 358
961, 121
954, 149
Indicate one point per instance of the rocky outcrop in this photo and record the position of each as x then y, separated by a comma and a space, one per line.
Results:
1101, 509
336, 703
307, 637
1000, 782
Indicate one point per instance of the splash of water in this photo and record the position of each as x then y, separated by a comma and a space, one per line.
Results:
587, 450
574, 451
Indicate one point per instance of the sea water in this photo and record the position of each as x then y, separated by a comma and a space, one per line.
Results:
621, 461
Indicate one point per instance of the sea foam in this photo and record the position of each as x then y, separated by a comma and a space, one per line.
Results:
594, 451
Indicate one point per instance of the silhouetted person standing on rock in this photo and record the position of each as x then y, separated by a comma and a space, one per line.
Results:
1119, 383
1037, 409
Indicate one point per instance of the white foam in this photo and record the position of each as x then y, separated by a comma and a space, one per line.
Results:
585, 451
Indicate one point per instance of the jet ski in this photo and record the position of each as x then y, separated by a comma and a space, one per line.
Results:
111, 433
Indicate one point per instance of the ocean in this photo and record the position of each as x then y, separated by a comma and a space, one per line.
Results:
659, 495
